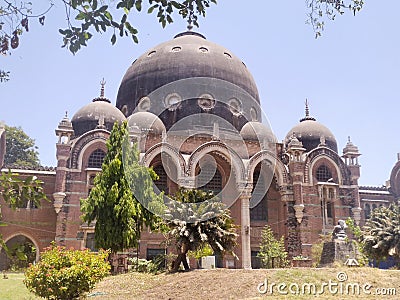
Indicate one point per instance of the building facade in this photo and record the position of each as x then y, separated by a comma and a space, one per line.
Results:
194, 110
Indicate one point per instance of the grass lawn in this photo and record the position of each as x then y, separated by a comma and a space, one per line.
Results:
236, 284
13, 288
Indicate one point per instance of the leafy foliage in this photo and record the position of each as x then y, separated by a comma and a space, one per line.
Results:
115, 202
272, 251
14, 21
381, 234
201, 252
20, 149
21, 255
88, 17
357, 233
195, 226
153, 266
66, 274
91, 16
321, 10
16, 192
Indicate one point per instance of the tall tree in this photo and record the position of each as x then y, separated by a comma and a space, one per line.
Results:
122, 196
380, 236
21, 150
196, 219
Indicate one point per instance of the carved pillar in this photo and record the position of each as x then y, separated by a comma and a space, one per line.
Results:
245, 228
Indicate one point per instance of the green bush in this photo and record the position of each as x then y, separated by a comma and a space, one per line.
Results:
154, 266
66, 274
272, 251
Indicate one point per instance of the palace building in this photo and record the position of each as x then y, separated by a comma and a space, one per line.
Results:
194, 110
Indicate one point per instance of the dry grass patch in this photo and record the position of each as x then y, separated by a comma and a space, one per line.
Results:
240, 284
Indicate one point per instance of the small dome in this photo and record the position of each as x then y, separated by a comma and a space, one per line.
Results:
312, 134
100, 113
147, 122
256, 131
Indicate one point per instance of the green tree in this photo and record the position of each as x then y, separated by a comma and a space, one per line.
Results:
16, 192
87, 17
380, 236
122, 195
272, 251
21, 150
197, 219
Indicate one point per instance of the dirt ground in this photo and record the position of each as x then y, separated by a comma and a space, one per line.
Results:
244, 284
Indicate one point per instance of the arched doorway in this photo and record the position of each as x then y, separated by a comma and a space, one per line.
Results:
20, 252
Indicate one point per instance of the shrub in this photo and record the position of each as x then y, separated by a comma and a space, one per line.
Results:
154, 266
272, 251
66, 274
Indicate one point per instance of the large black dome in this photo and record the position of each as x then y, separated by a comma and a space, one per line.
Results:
189, 55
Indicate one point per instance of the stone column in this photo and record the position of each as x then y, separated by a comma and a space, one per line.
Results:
245, 228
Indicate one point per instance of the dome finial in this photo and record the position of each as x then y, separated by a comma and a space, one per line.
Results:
307, 109
66, 114
102, 97
348, 139
307, 117
103, 83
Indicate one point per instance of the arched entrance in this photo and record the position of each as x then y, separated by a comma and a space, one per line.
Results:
20, 252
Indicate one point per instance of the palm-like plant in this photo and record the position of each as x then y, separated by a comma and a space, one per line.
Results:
381, 234
197, 218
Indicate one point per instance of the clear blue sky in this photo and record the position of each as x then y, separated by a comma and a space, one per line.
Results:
350, 75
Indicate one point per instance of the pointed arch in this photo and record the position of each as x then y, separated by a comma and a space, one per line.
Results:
278, 167
164, 147
222, 150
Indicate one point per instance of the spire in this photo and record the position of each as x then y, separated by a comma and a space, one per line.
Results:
103, 83
307, 109
307, 117
102, 97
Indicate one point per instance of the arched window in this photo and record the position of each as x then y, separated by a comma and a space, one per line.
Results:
323, 174
96, 159
162, 181
205, 183
259, 196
